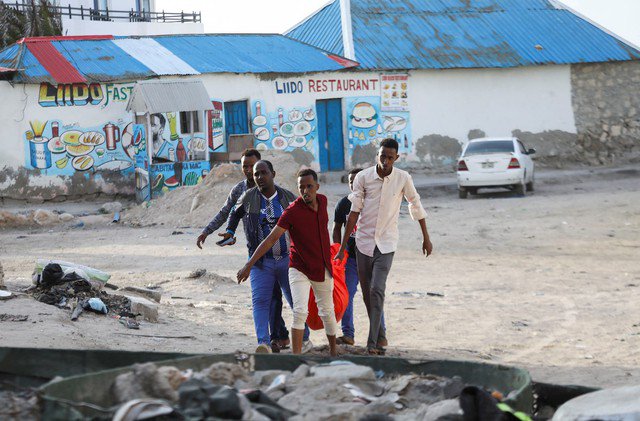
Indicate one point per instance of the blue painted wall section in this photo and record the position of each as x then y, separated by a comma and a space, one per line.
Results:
285, 129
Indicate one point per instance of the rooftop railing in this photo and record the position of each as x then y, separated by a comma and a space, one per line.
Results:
113, 15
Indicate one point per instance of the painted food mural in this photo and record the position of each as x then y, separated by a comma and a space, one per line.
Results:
61, 149
285, 129
366, 124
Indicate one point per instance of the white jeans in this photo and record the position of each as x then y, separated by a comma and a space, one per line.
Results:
323, 292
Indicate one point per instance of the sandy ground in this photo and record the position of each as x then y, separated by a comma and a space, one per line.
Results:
549, 282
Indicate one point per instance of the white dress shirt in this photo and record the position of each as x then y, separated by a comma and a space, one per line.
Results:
378, 200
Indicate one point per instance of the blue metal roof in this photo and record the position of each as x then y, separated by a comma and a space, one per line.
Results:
314, 30
103, 60
440, 34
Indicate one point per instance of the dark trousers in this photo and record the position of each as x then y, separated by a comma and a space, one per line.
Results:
373, 272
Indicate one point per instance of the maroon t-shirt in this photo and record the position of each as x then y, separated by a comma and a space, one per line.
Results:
310, 246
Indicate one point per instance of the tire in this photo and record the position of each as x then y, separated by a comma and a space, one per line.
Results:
519, 189
529, 185
462, 193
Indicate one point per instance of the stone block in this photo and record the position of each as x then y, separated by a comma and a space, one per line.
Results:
146, 308
66, 217
45, 217
346, 371
144, 292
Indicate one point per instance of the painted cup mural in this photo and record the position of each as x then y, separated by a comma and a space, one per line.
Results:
66, 149
285, 129
366, 124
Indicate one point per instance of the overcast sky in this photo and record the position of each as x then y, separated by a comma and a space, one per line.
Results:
276, 16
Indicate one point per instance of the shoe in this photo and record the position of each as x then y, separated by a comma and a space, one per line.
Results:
382, 343
345, 340
375, 351
275, 346
284, 343
307, 346
263, 349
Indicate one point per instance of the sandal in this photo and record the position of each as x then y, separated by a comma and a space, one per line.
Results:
375, 351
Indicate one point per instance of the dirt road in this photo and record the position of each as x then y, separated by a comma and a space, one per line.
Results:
550, 282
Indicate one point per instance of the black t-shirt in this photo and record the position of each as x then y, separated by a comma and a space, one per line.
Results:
340, 217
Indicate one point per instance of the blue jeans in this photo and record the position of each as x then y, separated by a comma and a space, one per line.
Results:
351, 278
276, 322
263, 280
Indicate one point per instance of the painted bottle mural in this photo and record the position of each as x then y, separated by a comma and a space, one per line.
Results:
55, 129
38, 149
181, 153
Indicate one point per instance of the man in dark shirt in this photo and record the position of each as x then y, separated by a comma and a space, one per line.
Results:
306, 221
279, 332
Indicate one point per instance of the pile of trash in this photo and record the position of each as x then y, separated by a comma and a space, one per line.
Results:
338, 390
78, 288
196, 206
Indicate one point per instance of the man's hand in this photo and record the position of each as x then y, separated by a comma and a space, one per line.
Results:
226, 236
243, 274
427, 247
340, 255
201, 238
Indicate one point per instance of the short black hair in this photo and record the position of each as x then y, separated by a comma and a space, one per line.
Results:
308, 171
252, 152
354, 171
389, 143
269, 164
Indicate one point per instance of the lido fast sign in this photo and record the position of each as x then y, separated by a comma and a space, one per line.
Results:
80, 94
328, 85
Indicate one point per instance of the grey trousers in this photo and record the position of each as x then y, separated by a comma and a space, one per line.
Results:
373, 272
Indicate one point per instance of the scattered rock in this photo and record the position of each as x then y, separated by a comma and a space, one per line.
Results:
44, 217
66, 217
226, 374
110, 207
144, 381
343, 370
198, 273
154, 295
147, 309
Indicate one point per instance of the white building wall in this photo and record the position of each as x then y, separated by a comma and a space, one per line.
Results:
77, 26
496, 101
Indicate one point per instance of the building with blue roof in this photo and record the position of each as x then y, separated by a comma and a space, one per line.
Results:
431, 74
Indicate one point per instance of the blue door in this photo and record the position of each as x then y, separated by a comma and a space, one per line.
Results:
330, 137
236, 120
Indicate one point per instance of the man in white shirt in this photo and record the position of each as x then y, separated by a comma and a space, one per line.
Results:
375, 207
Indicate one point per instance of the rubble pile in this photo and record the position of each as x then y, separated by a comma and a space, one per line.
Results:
39, 217
19, 405
338, 390
196, 206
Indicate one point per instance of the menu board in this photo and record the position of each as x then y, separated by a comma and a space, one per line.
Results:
394, 90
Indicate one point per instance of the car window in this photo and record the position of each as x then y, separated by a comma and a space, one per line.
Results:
495, 146
522, 148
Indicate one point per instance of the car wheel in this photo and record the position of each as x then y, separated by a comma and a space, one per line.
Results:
462, 193
530, 185
519, 189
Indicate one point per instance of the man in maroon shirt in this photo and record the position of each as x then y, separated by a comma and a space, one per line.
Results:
306, 219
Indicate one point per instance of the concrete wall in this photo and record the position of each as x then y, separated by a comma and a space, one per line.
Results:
452, 106
606, 98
